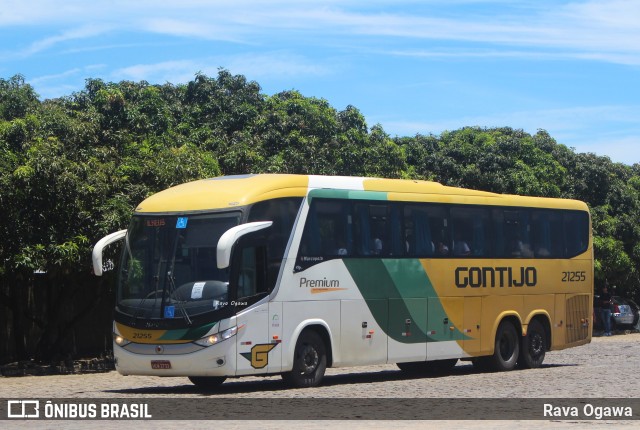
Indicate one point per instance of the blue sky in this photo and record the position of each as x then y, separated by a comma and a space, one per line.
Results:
415, 66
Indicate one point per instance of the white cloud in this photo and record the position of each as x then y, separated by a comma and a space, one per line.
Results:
77, 71
601, 30
252, 65
191, 28
84, 32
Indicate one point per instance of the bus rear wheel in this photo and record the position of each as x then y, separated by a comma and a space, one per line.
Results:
534, 346
309, 361
506, 349
207, 382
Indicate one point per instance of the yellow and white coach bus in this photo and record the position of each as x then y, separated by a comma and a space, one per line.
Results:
291, 274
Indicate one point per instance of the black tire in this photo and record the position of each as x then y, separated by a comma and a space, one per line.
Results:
533, 346
506, 349
309, 361
207, 382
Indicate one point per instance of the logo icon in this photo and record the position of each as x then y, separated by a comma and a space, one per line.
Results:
23, 409
259, 355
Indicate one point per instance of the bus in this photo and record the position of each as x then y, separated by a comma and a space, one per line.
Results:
291, 274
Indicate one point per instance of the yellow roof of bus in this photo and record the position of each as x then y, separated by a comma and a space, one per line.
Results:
227, 192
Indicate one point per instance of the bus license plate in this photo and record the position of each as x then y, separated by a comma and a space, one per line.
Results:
160, 364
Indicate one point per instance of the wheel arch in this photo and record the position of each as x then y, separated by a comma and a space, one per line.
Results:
511, 316
322, 329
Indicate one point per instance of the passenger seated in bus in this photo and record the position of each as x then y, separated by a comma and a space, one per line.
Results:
442, 249
341, 248
377, 246
520, 249
542, 252
460, 246
411, 248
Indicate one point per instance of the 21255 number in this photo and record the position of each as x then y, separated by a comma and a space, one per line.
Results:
574, 276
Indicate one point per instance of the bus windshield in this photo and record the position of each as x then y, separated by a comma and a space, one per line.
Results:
169, 266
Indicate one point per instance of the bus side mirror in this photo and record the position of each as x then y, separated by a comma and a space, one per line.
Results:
96, 255
231, 236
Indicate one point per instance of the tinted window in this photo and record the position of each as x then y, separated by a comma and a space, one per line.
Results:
511, 227
327, 231
426, 231
546, 234
283, 213
471, 232
343, 228
576, 233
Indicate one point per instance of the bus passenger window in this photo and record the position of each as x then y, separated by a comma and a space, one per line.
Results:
546, 233
470, 231
327, 233
576, 237
512, 230
374, 228
426, 231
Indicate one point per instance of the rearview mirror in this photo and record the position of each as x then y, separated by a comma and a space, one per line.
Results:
231, 236
96, 255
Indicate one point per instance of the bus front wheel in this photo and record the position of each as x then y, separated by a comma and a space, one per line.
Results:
309, 361
507, 347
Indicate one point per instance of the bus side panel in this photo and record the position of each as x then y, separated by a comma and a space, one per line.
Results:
407, 324
558, 331
472, 343
445, 317
494, 309
362, 340
538, 304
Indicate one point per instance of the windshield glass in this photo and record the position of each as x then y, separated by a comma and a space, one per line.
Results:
169, 266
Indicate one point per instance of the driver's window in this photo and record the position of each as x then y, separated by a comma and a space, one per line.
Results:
247, 275
251, 276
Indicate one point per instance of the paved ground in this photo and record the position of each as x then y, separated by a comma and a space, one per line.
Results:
606, 368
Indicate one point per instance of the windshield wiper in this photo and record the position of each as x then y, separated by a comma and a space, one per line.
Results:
185, 314
171, 282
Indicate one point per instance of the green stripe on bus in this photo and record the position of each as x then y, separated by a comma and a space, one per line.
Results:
347, 194
411, 295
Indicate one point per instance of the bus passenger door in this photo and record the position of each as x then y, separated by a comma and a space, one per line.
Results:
249, 279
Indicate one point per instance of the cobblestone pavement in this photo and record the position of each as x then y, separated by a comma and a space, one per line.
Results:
608, 367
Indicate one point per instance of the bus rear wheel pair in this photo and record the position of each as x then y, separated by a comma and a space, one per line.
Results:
511, 350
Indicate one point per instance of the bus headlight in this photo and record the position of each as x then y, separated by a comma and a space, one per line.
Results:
119, 340
218, 337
